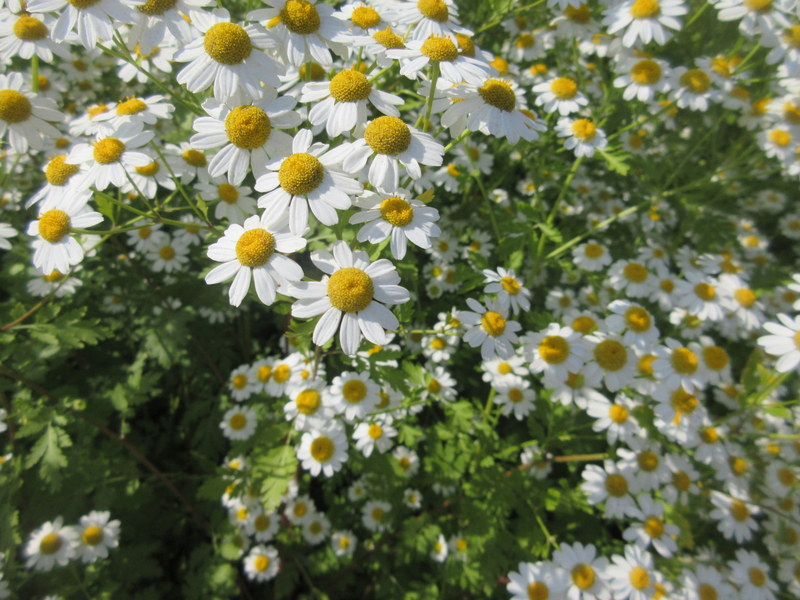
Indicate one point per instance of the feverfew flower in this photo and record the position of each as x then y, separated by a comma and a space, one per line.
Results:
24, 116
644, 20
783, 343
509, 289
583, 136
489, 328
97, 536
49, 545
323, 450
261, 563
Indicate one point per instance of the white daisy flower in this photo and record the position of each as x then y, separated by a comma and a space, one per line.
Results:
229, 56
316, 529
231, 202
643, 79
374, 436
705, 582
248, 133
391, 143
612, 360
591, 256
784, 342
24, 116
613, 485
352, 291
616, 418
341, 103
239, 423
261, 526
49, 545
323, 450
256, 249
429, 17
693, 89
555, 352
97, 536
343, 543
560, 94
186, 162
489, 328
583, 136
734, 517
147, 179
637, 323
751, 574
492, 106
631, 577
307, 178
300, 510
644, 20
306, 30
442, 53
242, 383
55, 248
364, 17
261, 563
94, 21
677, 366
27, 34
514, 396
355, 395
309, 405
61, 179
158, 21
631, 278
169, 256
757, 16
540, 580
133, 113
374, 515
110, 157
587, 572
509, 289
397, 215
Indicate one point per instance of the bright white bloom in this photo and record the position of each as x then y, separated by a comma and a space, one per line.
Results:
514, 396
560, 94
343, 543
95, 21
587, 572
372, 436
783, 343
27, 34
323, 450
442, 52
49, 545
591, 256
97, 536
239, 423
375, 515
6, 232
509, 289
612, 485
489, 328
111, 158
24, 116
540, 580
644, 20
352, 292
734, 517
556, 352
651, 529
355, 394
309, 404
643, 78
256, 249
751, 574
261, 563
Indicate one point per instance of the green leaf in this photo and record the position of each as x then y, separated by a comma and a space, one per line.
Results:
615, 161
277, 468
47, 451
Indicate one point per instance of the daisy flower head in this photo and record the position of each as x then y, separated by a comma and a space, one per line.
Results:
560, 94
309, 404
751, 574
110, 158
556, 351
734, 517
677, 366
586, 571
698, 295
613, 485
429, 17
615, 418
61, 179
632, 576
262, 526
242, 383
54, 247
261, 563
343, 543
353, 292
651, 529
316, 529
186, 162
391, 143
239, 423
256, 250
355, 395
97, 536
307, 178
540, 580
632, 278
643, 78
306, 31
440, 549
375, 515
26, 34
24, 116
341, 103
493, 106
637, 323
784, 342
509, 289
49, 545
583, 136
644, 20
133, 113
159, 22
228, 56
488, 327
231, 202
706, 582
693, 89
398, 215
612, 359
169, 256
374, 436
442, 53
514, 396
364, 18
92, 21
248, 133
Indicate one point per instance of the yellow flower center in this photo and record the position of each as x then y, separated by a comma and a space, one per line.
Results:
55, 275
397, 211
261, 563
92, 535
438, 344
638, 319
300, 174
194, 158
375, 431
681, 481
300, 16
436, 10
786, 477
255, 247
525, 40
684, 361
281, 373
683, 402
635, 272
350, 289
791, 36
238, 422
350, 86
14, 106
707, 592
594, 250
388, 39
344, 543
58, 171
645, 9
583, 575
584, 129
758, 5
29, 28
81, 4
647, 460
167, 252
745, 297
645, 365
247, 127
696, 81
50, 543
227, 43
705, 291
365, 17
611, 355
377, 514
715, 358
308, 402
261, 523
54, 225
493, 323
300, 510
511, 285
618, 414
108, 150
639, 578
564, 88
738, 465
498, 93
439, 49
646, 72
465, 45
239, 381
322, 449
757, 576
538, 591
580, 14
709, 435
148, 170
616, 485
354, 391
739, 511
131, 106
228, 193
156, 7
554, 349
515, 395
780, 137
653, 527
388, 135
500, 65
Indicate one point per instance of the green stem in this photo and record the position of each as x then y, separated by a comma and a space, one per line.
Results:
35, 73
434, 77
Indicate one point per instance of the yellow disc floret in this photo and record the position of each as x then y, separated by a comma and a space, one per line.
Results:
58, 171
255, 247
435, 10
14, 106
300, 174
131, 106
148, 170
684, 361
29, 28
493, 323
350, 289
554, 349
397, 211
248, 127
697, 81
584, 129
227, 43
610, 355
564, 88
80, 4
50, 543
108, 150
365, 17
261, 563
54, 225
228, 193
498, 93
92, 535
637, 319
350, 86
308, 402
156, 7
582, 576
322, 449
538, 591
439, 49
194, 158
646, 72
300, 16
639, 578
388, 135
645, 9
388, 39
